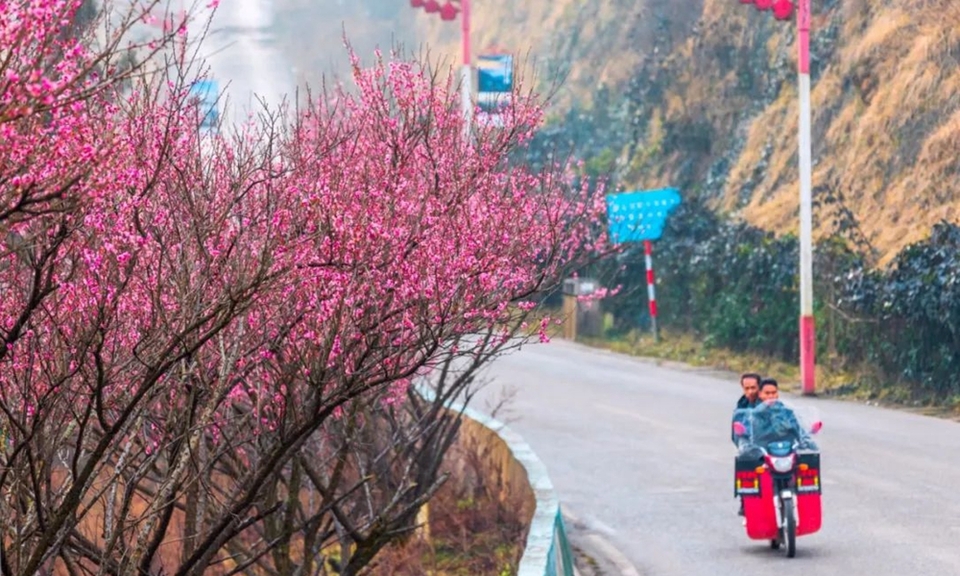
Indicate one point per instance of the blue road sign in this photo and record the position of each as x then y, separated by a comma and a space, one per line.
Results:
638, 216
494, 88
495, 73
207, 91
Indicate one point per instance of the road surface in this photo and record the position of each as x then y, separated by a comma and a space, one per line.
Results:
239, 48
644, 454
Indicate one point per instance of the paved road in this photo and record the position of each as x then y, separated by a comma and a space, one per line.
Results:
643, 452
239, 48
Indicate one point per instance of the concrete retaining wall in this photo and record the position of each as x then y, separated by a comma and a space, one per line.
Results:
522, 478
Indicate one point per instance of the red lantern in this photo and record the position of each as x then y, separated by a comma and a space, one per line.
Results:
764, 4
432, 6
783, 9
448, 12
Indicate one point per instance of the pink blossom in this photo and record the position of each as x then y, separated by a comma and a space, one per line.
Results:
359, 250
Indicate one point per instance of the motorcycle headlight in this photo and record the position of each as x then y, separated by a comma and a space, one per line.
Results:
783, 464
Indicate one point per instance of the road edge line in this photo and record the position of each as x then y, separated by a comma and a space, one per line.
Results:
611, 552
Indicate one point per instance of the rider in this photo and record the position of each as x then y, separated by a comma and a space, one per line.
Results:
750, 383
775, 418
779, 417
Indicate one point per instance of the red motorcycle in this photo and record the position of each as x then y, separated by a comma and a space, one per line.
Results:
777, 475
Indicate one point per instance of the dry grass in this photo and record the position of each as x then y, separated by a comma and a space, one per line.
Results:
473, 531
885, 31
888, 132
943, 145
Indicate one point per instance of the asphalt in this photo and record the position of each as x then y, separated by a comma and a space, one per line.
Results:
643, 454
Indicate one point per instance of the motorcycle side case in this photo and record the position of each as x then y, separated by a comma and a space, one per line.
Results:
756, 488
808, 494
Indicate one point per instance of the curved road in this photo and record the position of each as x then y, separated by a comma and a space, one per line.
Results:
643, 454
239, 48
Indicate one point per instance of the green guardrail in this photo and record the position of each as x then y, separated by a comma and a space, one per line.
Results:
547, 551
560, 556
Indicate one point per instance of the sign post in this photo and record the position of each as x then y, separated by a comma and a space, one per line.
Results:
651, 289
640, 216
807, 331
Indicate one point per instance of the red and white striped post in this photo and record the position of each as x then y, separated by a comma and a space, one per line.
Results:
651, 289
807, 332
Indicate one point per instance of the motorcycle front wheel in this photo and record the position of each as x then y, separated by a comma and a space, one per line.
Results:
789, 535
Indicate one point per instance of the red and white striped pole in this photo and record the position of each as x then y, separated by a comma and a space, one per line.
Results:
651, 289
807, 332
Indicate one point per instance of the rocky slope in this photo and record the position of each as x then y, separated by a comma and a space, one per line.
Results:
701, 94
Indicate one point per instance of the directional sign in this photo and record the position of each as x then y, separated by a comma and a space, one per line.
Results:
207, 92
494, 87
638, 216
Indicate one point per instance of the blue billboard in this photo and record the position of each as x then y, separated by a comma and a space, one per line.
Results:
638, 216
207, 92
494, 87
495, 73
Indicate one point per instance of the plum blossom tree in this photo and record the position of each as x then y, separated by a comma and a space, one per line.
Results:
191, 323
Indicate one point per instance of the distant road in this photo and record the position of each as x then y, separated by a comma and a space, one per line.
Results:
644, 454
240, 51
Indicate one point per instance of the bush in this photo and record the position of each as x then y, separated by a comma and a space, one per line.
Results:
736, 286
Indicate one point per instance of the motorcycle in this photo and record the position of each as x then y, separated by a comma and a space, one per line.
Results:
777, 475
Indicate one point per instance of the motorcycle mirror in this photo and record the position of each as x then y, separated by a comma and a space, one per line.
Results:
816, 427
739, 429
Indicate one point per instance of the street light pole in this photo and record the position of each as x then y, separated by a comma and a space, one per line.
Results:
448, 12
783, 10
807, 332
466, 74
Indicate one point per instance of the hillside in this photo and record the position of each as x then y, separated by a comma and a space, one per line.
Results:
701, 94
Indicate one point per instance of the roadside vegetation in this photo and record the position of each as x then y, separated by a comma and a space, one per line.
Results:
728, 296
470, 528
